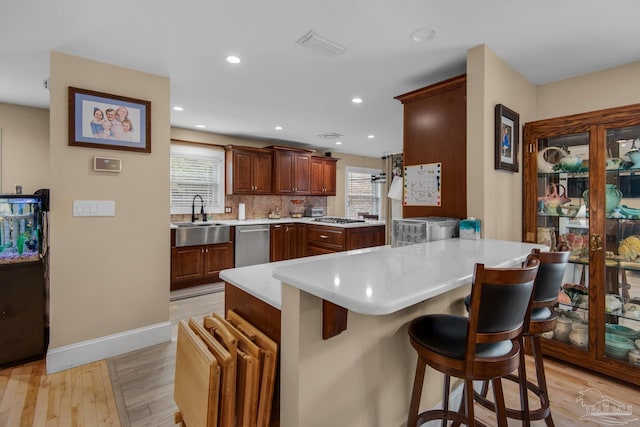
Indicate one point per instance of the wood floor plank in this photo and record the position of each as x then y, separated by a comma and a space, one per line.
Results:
109, 395
22, 379
53, 401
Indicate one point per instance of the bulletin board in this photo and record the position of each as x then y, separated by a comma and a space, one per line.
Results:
423, 185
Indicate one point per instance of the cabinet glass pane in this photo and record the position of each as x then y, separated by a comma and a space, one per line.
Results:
622, 240
562, 221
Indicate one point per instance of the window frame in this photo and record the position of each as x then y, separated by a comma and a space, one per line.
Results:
202, 151
378, 188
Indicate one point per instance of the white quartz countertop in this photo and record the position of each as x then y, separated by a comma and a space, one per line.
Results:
258, 280
304, 220
380, 280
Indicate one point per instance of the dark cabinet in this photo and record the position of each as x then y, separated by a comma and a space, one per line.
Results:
287, 241
248, 170
323, 176
291, 171
325, 239
197, 265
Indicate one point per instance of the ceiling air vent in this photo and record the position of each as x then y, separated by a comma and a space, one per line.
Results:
319, 43
330, 135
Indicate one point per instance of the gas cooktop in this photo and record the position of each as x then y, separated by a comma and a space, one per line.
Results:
334, 220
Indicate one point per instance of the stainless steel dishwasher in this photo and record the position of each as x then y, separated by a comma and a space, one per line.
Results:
252, 244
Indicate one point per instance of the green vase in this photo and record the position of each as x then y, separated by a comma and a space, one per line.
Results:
613, 197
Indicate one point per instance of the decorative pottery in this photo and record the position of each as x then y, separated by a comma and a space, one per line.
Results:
617, 346
549, 153
546, 236
562, 329
612, 197
555, 196
613, 163
634, 357
579, 335
634, 155
571, 163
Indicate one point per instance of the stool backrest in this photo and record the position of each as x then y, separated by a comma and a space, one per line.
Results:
550, 274
500, 303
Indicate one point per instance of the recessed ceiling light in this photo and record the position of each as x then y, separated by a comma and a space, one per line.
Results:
424, 34
356, 100
371, 136
178, 108
278, 128
200, 126
233, 59
338, 142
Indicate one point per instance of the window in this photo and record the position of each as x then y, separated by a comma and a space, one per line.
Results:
197, 170
362, 195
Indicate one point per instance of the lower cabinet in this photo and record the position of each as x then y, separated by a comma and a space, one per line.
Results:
197, 265
326, 239
287, 242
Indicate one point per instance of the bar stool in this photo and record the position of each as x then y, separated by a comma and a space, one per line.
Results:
484, 346
543, 319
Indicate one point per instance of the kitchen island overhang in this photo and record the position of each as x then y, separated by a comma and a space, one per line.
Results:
363, 376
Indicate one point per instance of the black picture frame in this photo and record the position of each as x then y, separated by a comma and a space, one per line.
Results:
507, 138
102, 120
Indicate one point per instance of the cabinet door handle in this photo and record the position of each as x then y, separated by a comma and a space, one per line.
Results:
206, 251
322, 236
595, 242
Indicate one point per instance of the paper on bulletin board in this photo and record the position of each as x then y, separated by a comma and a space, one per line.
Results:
423, 185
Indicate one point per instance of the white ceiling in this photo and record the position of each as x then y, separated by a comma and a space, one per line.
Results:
282, 83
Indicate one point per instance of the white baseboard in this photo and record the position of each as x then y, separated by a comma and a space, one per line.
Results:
69, 356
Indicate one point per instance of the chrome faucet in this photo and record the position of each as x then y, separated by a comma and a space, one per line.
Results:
193, 209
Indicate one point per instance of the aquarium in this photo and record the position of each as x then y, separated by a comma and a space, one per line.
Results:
20, 228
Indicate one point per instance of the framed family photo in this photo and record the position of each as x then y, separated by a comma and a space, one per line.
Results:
507, 135
101, 120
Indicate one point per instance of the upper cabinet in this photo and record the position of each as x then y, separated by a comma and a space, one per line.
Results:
323, 176
248, 170
582, 190
291, 171
435, 131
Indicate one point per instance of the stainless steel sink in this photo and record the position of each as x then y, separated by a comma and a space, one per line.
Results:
201, 233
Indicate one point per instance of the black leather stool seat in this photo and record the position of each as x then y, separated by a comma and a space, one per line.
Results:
447, 335
537, 314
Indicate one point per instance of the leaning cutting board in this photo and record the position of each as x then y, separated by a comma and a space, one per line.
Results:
268, 362
227, 364
197, 380
248, 377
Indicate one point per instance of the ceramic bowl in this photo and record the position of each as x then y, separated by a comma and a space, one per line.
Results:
634, 357
571, 163
613, 163
623, 331
617, 346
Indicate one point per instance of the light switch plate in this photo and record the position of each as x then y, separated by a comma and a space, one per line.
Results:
107, 164
94, 208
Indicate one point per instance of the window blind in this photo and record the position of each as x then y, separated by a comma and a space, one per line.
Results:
196, 171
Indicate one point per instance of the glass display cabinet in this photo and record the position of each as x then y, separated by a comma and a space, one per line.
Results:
582, 193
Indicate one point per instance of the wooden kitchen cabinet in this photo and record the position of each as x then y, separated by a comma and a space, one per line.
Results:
248, 170
286, 241
291, 171
577, 193
197, 265
323, 239
323, 176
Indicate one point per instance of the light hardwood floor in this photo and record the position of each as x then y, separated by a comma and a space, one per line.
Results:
139, 391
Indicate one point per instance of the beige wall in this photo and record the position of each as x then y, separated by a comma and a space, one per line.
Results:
614, 87
494, 196
24, 149
108, 274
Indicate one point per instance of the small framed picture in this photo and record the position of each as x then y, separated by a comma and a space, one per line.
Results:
101, 120
507, 123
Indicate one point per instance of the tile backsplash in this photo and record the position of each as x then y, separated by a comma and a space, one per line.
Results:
257, 207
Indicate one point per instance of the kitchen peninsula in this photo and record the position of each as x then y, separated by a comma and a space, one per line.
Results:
363, 375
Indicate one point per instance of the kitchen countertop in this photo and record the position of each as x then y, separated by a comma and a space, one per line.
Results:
258, 280
380, 280
303, 220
